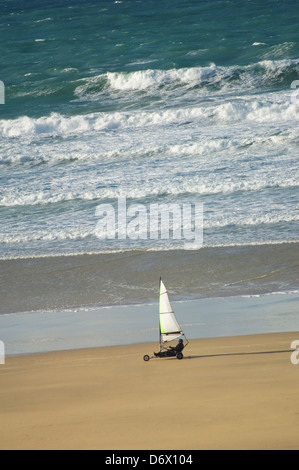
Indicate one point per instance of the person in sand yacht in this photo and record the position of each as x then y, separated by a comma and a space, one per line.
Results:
172, 351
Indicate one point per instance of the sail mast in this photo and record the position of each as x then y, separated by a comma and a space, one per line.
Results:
160, 333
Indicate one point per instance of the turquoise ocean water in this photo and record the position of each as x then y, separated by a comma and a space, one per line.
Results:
160, 102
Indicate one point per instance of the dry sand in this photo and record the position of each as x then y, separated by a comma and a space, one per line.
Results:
228, 393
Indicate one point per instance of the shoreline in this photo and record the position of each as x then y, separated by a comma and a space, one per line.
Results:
80, 328
229, 393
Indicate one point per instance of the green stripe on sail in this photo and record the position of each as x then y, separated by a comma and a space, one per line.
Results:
161, 325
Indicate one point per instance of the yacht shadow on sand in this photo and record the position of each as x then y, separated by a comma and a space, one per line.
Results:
204, 356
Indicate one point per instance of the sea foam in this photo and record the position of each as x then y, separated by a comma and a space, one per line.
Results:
265, 109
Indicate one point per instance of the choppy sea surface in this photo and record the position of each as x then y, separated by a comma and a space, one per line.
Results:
185, 102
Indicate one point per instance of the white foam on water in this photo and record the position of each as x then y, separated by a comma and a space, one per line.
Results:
218, 146
197, 185
268, 109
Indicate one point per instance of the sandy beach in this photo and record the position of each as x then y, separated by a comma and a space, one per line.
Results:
138, 143
228, 393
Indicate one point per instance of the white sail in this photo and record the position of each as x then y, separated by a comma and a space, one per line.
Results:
169, 327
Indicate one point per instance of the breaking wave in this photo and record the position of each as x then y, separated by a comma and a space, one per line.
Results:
265, 109
180, 188
262, 74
